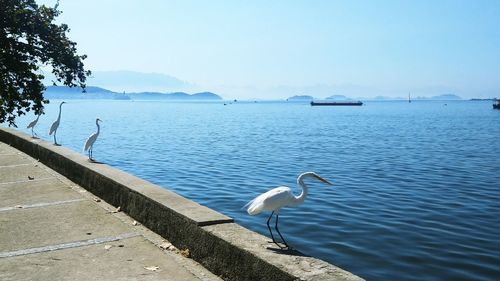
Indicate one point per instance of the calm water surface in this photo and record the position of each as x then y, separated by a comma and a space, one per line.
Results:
416, 192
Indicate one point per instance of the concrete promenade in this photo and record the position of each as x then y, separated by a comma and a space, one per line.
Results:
52, 229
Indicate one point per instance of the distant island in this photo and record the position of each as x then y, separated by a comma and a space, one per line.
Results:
174, 96
338, 98
63, 92
445, 97
300, 98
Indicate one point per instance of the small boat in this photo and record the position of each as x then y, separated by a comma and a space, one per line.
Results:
496, 104
336, 103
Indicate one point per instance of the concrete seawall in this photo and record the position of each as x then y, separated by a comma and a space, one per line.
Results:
213, 239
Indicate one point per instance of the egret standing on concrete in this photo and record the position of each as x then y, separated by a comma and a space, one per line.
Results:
280, 197
55, 125
32, 125
89, 144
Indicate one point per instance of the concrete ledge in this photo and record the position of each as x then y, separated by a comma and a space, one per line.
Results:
225, 248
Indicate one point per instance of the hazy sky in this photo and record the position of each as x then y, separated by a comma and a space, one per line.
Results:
276, 49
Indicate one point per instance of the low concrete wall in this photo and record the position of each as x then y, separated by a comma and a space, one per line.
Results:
213, 239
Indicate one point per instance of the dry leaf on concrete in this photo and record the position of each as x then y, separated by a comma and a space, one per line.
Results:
107, 247
97, 199
117, 210
152, 268
185, 253
135, 223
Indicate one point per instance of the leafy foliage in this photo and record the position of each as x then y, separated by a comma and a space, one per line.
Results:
29, 40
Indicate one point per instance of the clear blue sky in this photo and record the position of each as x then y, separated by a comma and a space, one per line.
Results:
275, 49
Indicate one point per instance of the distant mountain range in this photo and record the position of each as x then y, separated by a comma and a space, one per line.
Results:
438, 97
344, 98
133, 81
173, 96
63, 92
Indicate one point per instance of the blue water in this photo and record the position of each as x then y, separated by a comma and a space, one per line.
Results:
416, 192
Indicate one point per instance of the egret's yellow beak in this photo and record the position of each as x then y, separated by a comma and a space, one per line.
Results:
322, 179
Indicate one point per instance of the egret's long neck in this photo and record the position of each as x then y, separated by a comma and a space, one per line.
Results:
302, 196
98, 127
59, 116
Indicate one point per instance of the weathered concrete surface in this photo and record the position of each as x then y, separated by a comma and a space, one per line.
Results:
124, 260
227, 249
52, 229
34, 191
75, 221
16, 173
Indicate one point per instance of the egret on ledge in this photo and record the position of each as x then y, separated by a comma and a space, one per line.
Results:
55, 125
279, 197
32, 125
89, 144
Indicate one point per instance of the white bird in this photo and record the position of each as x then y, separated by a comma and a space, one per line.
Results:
89, 144
32, 125
55, 125
279, 197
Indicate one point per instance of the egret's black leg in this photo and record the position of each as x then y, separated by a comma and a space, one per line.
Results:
55, 141
283, 239
269, 227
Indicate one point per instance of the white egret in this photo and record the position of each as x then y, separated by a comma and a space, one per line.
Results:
279, 197
55, 125
89, 144
32, 125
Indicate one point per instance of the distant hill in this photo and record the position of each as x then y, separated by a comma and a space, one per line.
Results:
300, 98
133, 81
439, 97
174, 96
338, 98
63, 92
446, 97
205, 96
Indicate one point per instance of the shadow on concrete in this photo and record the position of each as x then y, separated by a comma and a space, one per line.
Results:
288, 252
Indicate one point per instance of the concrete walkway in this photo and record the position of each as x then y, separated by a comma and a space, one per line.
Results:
52, 229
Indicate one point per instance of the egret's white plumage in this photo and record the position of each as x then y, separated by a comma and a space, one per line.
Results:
271, 200
55, 125
32, 125
91, 140
279, 197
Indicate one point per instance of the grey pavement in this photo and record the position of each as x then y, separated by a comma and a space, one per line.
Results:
52, 229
